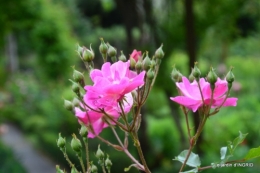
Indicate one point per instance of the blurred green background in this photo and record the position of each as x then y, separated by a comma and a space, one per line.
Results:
37, 49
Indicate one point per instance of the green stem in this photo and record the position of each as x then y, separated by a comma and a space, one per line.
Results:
140, 152
103, 168
117, 147
202, 97
141, 167
81, 163
85, 140
67, 159
137, 113
124, 116
187, 121
194, 140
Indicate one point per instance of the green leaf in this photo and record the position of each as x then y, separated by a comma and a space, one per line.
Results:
133, 165
191, 171
238, 140
193, 160
230, 148
253, 153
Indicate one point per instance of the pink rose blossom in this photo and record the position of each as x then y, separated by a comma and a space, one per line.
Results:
192, 98
115, 80
136, 54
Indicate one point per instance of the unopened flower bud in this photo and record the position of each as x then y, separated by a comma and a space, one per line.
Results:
61, 142
75, 86
58, 170
75, 102
88, 55
108, 163
94, 168
122, 57
212, 77
103, 48
111, 50
76, 144
196, 71
146, 62
99, 153
74, 170
138, 66
68, 105
176, 75
83, 131
77, 76
159, 53
153, 63
132, 62
191, 77
230, 78
150, 74
79, 50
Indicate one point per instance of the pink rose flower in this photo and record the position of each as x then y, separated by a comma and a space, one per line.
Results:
136, 54
115, 80
192, 98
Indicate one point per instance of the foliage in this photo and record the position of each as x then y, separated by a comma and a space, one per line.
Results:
8, 162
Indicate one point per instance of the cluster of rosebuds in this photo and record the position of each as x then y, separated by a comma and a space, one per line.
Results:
76, 146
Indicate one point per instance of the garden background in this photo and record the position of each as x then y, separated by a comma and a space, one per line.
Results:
37, 49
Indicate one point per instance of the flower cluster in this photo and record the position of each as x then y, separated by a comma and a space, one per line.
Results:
191, 95
112, 85
196, 92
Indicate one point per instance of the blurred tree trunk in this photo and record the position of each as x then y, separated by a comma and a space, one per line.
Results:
128, 10
191, 49
11, 53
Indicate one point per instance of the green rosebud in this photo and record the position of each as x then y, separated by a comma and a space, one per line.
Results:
150, 74
196, 71
58, 170
191, 77
146, 62
230, 77
83, 131
122, 57
111, 50
103, 48
88, 55
176, 76
76, 144
99, 153
153, 63
94, 168
108, 163
159, 53
212, 78
77, 76
68, 105
61, 142
74, 170
79, 50
75, 87
138, 66
132, 62
75, 102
